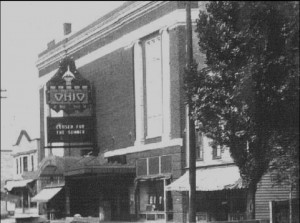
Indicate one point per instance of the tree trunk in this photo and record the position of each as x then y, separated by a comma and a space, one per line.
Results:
250, 208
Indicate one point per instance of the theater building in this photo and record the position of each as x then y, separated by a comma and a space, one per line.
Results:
133, 58
114, 133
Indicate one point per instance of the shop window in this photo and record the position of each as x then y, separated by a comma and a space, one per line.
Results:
154, 165
153, 191
25, 198
153, 80
199, 145
25, 163
216, 152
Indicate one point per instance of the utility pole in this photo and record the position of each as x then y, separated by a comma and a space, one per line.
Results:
192, 142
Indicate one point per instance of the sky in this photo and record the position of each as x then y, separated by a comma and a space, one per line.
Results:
26, 28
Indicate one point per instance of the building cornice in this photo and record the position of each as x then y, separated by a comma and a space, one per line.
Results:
104, 28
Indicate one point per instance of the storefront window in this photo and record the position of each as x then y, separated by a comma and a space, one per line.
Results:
152, 196
25, 199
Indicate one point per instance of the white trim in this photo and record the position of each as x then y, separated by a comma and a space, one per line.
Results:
172, 19
165, 45
143, 148
139, 94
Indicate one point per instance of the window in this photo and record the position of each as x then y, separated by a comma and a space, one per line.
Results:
151, 197
216, 152
199, 145
32, 163
153, 77
17, 166
25, 164
20, 165
154, 165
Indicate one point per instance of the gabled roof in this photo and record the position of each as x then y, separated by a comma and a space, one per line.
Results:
24, 133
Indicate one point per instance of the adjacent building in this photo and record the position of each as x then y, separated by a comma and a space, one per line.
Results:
23, 183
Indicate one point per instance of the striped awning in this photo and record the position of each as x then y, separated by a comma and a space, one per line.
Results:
210, 179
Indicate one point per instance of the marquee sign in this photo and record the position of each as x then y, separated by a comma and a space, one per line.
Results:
68, 90
70, 129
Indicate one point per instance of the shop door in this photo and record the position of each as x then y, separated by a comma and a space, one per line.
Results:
120, 204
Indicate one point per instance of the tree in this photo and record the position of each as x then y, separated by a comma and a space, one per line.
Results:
247, 96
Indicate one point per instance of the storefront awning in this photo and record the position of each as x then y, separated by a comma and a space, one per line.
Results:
97, 165
17, 183
210, 179
46, 194
153, 177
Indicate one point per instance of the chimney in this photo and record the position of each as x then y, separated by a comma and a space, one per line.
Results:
51, 44
67, 28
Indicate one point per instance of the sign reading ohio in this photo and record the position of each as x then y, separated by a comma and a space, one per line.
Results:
70, 129
67, 90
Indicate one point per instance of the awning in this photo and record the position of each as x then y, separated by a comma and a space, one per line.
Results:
153, 177
98, 165
210, 179
17, 183
46, 194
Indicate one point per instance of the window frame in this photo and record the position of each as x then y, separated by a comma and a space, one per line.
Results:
215, 149
151, 138
25, 164
32, 162
199, 145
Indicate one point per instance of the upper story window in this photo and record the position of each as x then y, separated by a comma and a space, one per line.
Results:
20, 164
216, 153
25, 163
153, 88
32, 163
199, 145
17, 166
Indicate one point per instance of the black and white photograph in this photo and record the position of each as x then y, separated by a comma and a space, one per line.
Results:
149, 111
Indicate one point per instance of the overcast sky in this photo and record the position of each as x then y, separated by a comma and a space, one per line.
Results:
26, 28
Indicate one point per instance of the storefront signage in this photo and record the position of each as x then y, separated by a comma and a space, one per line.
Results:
68, 90
70, 129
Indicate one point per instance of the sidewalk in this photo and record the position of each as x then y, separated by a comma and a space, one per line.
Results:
8, 220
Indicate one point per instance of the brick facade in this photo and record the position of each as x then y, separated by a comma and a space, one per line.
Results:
112, 76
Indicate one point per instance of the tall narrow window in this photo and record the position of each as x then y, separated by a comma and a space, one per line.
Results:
216, 152
32, 163
25, 163
199, 145
17, 166
20, 165
153, 70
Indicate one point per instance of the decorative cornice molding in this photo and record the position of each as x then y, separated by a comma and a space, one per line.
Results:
100, 30
169, 21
